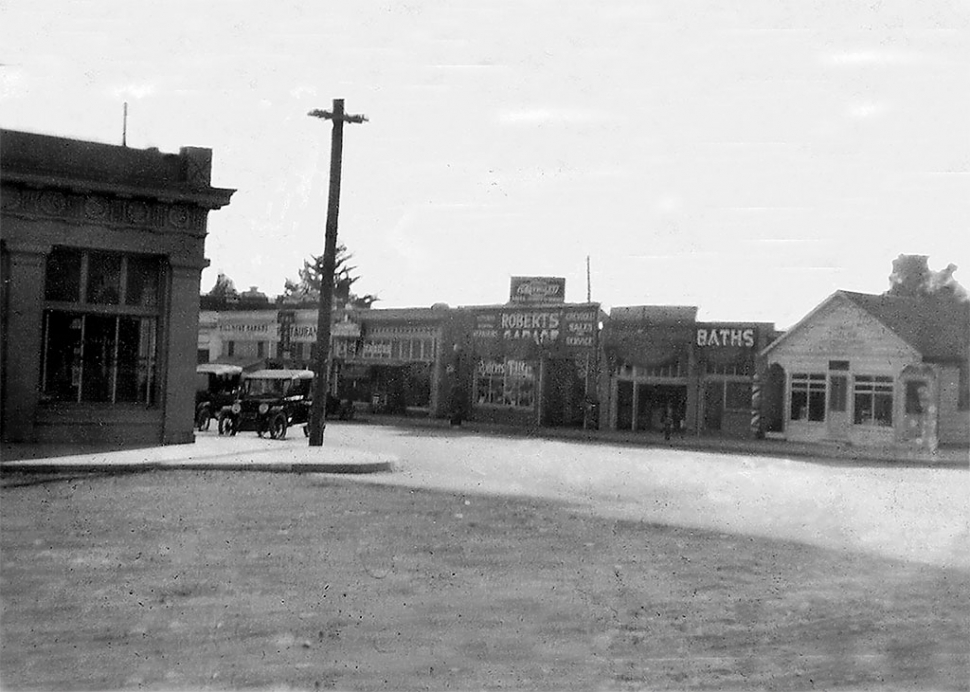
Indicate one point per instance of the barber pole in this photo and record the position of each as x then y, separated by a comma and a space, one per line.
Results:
756, 407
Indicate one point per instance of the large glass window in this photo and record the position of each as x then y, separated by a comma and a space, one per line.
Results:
100, 327
873, 400
505, 383
808, 397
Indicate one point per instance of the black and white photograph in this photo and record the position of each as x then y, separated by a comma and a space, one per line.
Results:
485, 344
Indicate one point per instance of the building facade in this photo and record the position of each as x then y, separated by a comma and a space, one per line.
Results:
389, 360
102, 249
530, 362
703, 376
873, 370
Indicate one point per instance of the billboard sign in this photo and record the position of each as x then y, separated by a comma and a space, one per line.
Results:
572, 326
531, 290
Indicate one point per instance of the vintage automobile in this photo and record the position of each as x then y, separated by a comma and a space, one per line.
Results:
216, 386
269, 401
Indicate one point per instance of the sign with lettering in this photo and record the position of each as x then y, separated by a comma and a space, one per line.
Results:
573, 326
726, 336
376, 349
538, 289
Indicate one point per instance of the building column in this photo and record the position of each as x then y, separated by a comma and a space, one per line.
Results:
177, 359
22, 346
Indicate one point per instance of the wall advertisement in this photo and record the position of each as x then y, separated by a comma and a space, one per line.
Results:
569, 327
537, 289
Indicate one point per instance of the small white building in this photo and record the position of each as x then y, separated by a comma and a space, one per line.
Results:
872, 370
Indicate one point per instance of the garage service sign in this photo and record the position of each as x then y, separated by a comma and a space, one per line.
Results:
531, 290
573, 326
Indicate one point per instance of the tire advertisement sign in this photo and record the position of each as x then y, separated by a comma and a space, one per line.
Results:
534, 290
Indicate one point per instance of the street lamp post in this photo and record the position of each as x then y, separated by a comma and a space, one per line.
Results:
322, 362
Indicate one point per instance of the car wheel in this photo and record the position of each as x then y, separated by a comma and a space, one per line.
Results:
227, 425
277, 428
203, 420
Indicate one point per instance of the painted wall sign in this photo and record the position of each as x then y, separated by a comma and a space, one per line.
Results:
376, 349
538, 289
566, 327
246, 327
727, 336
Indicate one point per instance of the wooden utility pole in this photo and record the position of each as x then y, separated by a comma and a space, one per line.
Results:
321, 385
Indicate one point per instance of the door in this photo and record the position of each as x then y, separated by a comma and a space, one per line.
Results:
837, 419
713, 405
624, 405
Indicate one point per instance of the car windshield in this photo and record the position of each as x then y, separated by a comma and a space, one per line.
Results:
265, 388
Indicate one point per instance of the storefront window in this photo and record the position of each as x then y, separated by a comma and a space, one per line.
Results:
808, 397
505, 383
103, 348
873, 400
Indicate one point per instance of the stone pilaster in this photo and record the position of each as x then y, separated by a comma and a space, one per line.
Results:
179, 355
22, 327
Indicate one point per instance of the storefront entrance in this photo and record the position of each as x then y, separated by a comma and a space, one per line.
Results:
650, 402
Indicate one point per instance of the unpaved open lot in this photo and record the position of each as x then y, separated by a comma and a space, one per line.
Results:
187, 580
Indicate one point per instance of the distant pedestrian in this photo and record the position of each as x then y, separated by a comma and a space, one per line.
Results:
668, 421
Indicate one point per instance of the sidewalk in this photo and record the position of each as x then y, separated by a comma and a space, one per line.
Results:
251, 453
944, 456
245, 452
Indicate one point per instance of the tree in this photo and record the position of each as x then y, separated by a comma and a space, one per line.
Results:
224, 288
912, 277
308, 286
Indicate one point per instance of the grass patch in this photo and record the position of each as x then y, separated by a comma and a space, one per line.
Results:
212, 579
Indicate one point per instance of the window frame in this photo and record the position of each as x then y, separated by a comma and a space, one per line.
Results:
875, 388
83, 309
808, 383
504, 381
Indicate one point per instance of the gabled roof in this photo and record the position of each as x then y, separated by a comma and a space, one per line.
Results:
939, 329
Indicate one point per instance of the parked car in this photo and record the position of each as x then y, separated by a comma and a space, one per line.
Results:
269, 401
216, 386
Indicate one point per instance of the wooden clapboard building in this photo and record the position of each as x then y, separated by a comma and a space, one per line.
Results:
873, 370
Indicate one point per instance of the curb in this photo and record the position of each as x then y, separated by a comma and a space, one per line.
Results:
269, 467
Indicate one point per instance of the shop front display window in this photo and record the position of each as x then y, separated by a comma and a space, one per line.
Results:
100, 327
873, 400
505, 383
808, 397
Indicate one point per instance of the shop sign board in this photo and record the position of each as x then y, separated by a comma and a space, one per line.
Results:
537, 289
376, 349
715, 337
573, 327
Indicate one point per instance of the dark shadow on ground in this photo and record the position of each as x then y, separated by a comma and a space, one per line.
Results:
17, 479
310, 582
24, 451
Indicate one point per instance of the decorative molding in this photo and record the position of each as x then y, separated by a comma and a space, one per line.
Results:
102, 209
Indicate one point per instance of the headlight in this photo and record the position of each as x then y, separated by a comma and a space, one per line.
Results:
236, 408
263, 408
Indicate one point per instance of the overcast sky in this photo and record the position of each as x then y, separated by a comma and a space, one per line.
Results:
747, 157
